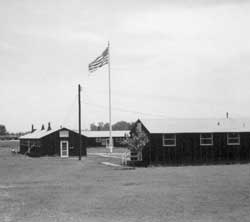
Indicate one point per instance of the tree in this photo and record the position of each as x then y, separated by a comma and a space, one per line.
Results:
121, 125
3, 130
100, 126
105, 127
93, 127
138, 140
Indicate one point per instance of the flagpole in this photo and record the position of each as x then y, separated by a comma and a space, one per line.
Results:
110, 121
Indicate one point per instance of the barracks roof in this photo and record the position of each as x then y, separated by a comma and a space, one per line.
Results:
196, 125
38, 134
115, 133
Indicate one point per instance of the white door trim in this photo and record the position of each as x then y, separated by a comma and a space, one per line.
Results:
64, 153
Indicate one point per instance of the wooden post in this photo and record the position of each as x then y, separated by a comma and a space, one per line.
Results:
79, 115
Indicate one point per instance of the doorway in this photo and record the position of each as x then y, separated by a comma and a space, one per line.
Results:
64, 148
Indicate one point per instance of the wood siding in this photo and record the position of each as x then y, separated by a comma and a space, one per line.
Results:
50, 144
189, 151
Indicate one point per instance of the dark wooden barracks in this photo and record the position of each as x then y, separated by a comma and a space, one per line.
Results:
195, 141
64, 142
60, 141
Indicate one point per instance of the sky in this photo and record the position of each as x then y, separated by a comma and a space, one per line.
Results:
168, 59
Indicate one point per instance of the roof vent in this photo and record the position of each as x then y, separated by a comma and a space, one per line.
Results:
218, 123
43, 128
49, 127
227, 115
32, 128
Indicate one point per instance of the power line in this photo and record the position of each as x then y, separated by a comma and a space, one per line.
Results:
125, 110
117, 93
70, 108
72, 105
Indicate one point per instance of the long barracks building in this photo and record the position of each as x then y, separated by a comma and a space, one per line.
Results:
195, 141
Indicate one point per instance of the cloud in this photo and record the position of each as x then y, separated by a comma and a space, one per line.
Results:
61, 34
6, 46
179, 57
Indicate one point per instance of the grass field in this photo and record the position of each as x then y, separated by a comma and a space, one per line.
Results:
9, 144
54, 189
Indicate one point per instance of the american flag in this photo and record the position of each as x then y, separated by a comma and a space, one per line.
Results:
100, 61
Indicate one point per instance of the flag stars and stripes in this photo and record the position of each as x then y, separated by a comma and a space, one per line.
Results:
100, 61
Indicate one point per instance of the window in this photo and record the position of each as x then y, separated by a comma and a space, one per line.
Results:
169, 140
118, 139
98, 139
64, 133
206, 139
233, 139
104, 141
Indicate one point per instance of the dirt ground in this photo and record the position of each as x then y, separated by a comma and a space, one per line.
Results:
54, 189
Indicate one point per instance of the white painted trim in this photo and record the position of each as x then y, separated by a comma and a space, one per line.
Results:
211, 138
67, 142
233, 144
163, 140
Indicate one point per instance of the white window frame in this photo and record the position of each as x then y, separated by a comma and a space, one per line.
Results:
228, 138
64, 134
168, 139
211, 138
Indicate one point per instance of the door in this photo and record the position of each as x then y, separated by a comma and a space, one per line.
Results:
64, 145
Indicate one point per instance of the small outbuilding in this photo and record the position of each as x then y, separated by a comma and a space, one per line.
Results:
61, 142
101, 138
195, 141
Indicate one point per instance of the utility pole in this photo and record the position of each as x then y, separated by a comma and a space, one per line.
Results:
79, 113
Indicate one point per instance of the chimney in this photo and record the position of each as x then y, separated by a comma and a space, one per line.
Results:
227, 115
49, 127
42, 127
32, 128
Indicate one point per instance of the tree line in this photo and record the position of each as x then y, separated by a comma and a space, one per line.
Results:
120, 125
3, 130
